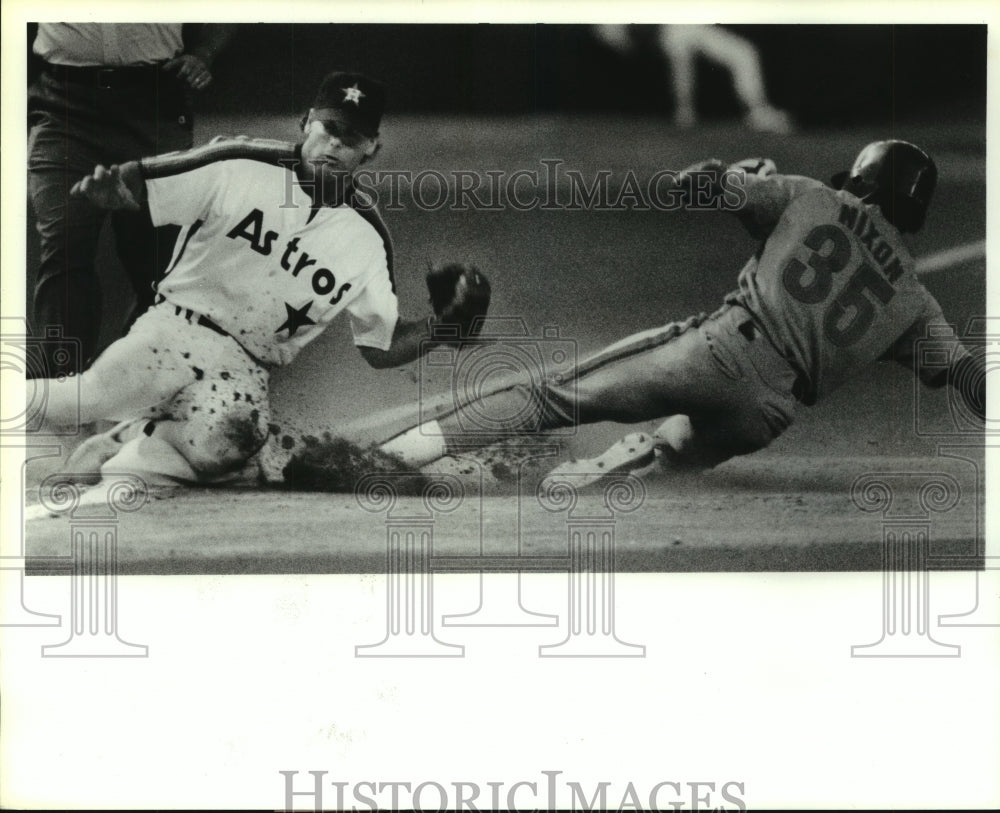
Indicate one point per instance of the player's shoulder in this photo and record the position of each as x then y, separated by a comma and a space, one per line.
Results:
364, 206
370, 230
866, 220
264, 152
804, 186
863, 222
810, 197
364, 221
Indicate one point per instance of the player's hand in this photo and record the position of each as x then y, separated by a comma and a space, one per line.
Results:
710, 165
699, 183
105, 188
192, 69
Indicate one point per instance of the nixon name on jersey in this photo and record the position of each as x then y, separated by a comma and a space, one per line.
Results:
858, 221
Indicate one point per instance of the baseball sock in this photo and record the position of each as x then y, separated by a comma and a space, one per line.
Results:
418, 446
152, 459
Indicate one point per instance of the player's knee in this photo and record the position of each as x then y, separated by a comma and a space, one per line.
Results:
100, 390
538, 407
225, 445
513, 410
555, 404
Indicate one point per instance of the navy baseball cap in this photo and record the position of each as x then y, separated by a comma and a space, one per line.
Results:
351, 99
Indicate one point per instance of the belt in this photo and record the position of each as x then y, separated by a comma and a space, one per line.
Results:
104, 77
198, 319
194, 318
800, 389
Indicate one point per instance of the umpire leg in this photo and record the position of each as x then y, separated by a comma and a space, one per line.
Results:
144, 252
67, 292
152, 116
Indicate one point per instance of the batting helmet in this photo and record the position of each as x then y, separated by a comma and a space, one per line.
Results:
896, 176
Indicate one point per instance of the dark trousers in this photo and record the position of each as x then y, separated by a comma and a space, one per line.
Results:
78, 118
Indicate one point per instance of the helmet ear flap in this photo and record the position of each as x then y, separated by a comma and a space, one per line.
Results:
861, 188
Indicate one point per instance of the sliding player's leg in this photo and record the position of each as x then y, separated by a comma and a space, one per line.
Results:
736, 396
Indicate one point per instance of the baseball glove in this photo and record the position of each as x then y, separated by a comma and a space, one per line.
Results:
460, 297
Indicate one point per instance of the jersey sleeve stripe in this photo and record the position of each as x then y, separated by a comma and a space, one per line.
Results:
277, 153
192, 230
366, 208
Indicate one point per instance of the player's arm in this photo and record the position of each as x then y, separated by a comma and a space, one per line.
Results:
178, 187
938, 358
460, 298
410, 340
751, 189
759, 194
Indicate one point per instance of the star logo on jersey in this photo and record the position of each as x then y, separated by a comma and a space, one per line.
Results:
353, 94
296, 318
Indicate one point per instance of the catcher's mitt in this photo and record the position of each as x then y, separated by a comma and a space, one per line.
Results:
460, 297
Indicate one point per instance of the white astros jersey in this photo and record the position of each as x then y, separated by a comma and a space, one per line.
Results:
833, 286
258, 259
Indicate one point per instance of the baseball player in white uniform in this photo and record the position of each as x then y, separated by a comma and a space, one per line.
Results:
275, 243
831, 288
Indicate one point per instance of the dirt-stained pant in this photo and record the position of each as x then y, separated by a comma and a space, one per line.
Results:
720, 371
207, 397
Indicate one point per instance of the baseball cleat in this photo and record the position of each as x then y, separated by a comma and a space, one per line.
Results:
632, 452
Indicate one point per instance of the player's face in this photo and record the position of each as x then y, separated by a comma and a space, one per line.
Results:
331, 148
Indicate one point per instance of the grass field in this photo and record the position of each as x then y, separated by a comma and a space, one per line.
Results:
598, 276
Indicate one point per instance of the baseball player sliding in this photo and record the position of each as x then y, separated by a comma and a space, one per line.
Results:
832, 287
275, 243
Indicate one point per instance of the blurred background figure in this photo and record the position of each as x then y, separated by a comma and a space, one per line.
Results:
681, 45
104, 94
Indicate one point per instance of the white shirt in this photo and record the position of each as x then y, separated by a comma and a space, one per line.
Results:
113, 44
258, 259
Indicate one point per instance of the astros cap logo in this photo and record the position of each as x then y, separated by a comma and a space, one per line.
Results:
354, 100
353, 94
